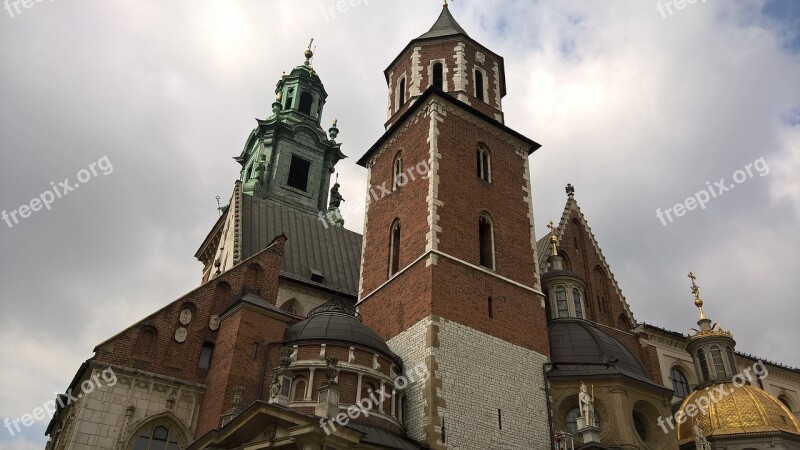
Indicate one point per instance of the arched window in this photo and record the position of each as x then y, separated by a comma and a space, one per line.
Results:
731, 360
486, 241
561, 302
576, 297
438, 76
158, 438
680, 386
394, 249
206, 352
719, 366
479, 85
484, 164
397, 173
306, 100
298, 389
401, 93
701, 359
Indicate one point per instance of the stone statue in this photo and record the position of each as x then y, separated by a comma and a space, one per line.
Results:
275, 388
586, 403
336, 197
331, 371
700, 441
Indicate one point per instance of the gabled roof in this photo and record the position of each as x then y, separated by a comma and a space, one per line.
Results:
543, 250
445, 25
312, 244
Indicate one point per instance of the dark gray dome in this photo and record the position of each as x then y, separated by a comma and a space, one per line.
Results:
560, 273
335, 321
580, 341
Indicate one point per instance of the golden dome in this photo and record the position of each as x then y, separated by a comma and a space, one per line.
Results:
745, 409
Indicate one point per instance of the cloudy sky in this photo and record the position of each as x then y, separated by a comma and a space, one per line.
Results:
637, 107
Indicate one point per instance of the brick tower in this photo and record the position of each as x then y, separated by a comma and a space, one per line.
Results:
449, 271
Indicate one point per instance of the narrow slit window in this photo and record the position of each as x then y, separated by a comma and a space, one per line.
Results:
486, 242
479, 85
438, 76
561, 302
401, 93
484, 164
394, 254
490, 306
397, 172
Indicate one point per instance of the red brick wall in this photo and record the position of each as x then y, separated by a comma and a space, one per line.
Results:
445, 50
232, 351
453, 290
407, 203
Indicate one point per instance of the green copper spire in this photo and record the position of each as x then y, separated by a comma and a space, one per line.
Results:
288, 157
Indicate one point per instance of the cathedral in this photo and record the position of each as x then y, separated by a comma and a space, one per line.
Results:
447, 324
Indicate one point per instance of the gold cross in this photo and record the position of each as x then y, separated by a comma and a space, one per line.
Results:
696, 291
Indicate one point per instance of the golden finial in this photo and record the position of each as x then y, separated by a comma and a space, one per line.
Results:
445, 4
309, 53
553, 238
283, 75
696, 291
335, 121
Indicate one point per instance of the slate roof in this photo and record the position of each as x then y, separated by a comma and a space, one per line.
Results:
543, 250
334, 321
581, 341
445, 25
333, 251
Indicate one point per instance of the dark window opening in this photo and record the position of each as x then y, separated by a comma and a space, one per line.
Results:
641, 426
298, 173
306, 100
401, 94
485, 237
317, 276
394, 254
576, 296
701, 359
160, 438
490, 306
500, 419
479, 85
680, 386
397, 173
205, 356
289, 99
484, 167
438, 76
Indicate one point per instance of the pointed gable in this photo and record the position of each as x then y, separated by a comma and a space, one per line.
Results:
573, 227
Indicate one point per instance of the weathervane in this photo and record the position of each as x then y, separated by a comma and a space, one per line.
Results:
219, 208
